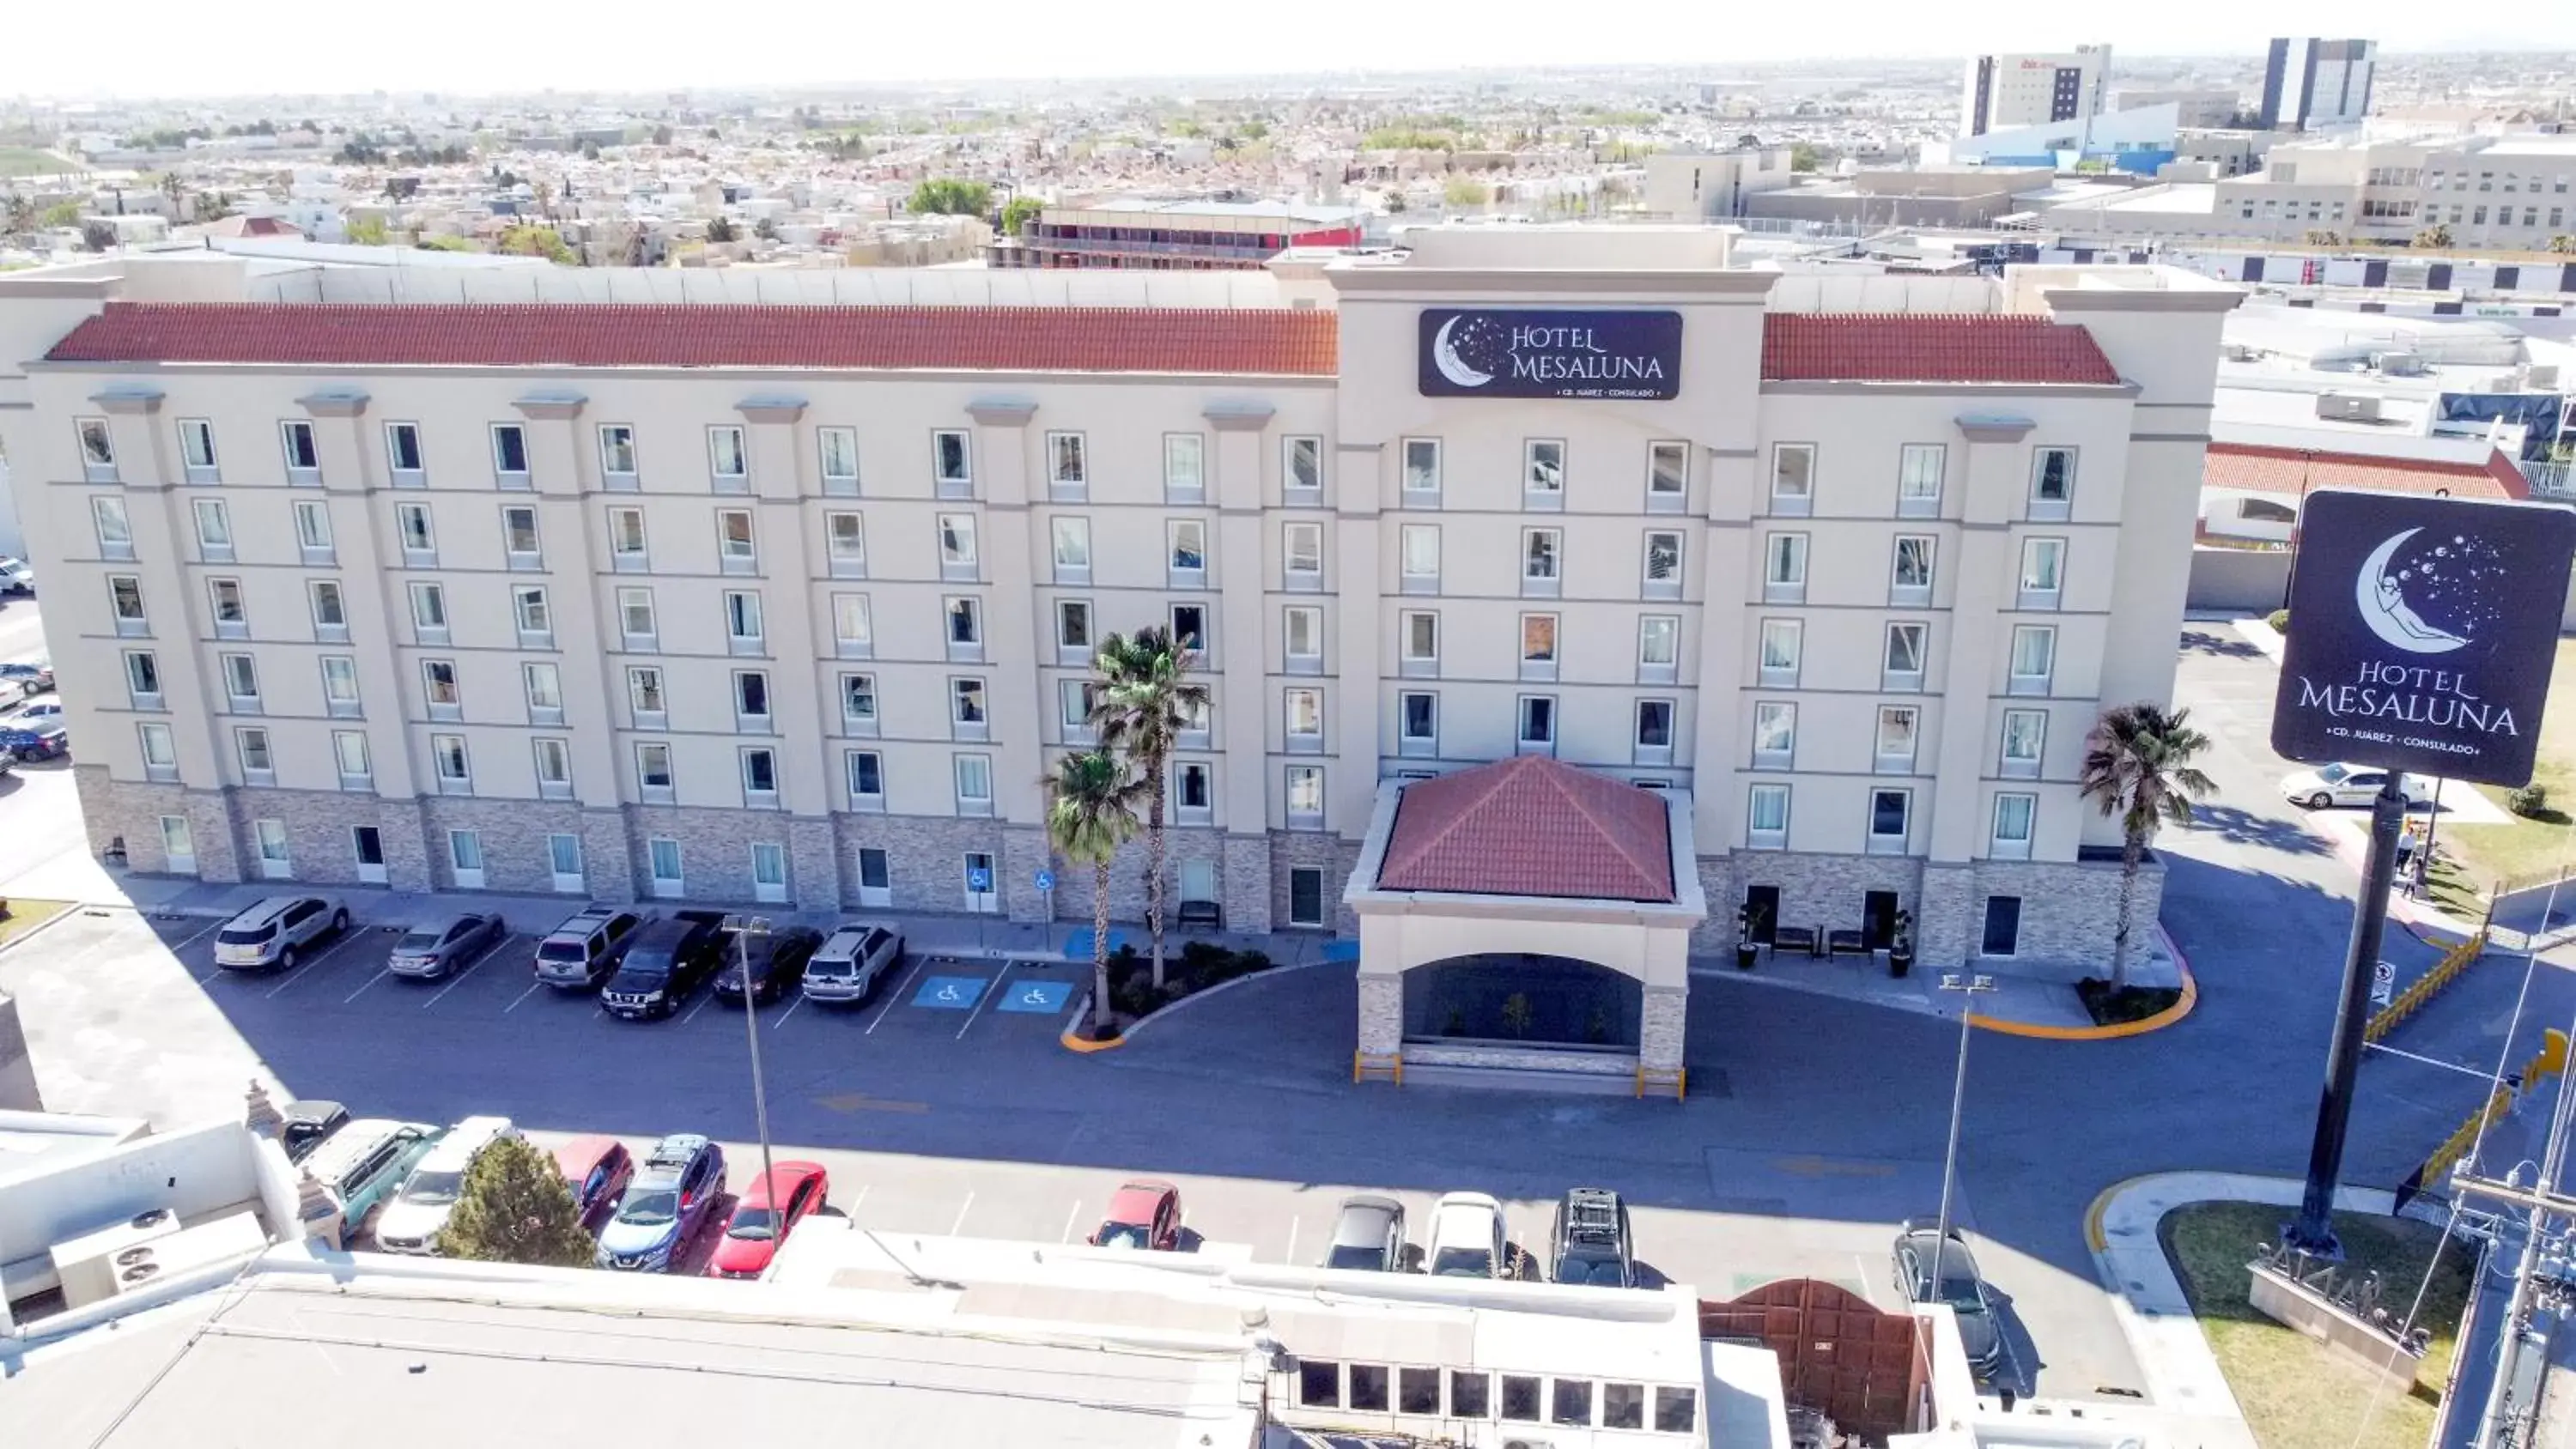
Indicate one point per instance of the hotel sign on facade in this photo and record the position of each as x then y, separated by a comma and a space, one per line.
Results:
1521, 353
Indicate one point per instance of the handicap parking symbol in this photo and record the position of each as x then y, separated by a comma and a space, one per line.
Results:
950, 993
1035, 996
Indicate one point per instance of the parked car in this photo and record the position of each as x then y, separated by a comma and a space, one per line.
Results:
584, 951
665, 963
768, 1211
436, 947
777, 962
361, 1164
1368, 1234
597, 1169
307, 1124
668, 1202
43, 740
2339, 784
9, 764
270, 931
1467, 1238
413, 1219
32, 676
15, 576
1142, 1214
1591, 1242
43, 712
1960, 1286
852, 961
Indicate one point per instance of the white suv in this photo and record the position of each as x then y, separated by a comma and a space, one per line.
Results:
850, 963
413, 1219
272, 931
1467, 1238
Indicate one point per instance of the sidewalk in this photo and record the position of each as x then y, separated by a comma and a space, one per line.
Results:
2016, 1001
2181, 1374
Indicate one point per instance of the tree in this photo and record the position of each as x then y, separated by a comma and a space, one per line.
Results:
368, 231
1463, 192
720, 229
766, 229
535, 241
2138, 767
2322, 236
590, 150
97, 236
1804, 157
2433, 238
661, 135
61, 213
20, 218
1021, 211
515, 1207
1091, 811
2563, 244
1147, 700
951, 198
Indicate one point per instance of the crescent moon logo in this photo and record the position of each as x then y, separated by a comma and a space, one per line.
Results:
1444, 355
2383, 605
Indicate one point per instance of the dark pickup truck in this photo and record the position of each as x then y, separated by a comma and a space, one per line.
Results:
665, 964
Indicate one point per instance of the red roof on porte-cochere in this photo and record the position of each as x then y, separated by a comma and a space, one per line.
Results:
1530, 826
1840, 347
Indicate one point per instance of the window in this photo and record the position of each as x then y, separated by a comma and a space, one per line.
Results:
1070, 541
252, 744
1305, 896
1899, 727
313, 531
1543, 472
2025, 735
1659, 647
635, 615
727, 465
1189, 626
143, 678
1889, 814
214, 530
742, 619
866, 772
1655, 728
2264, 510
1910, 580
2052, 482
303, 457
1537, 733
950, 461
759, 775
241, 681
751, 699
1421, 640
1073, 628
1538, 646
1187, 538
1623, 1406
1775, 734
1663, 568
2034, 658
438, 686
1793, 478
1301, 467
845, 544
662, 857
402, 453
837, 452
349, 750
1194, 791
1306, 795
411, 525
1319, 1384
626, 546
1418, 552
1667, 476
536, 617
966, 706
1305, 718
644, 693
1918, 479
617, 453
965, 625
1471, 1394
1184, 464
1784, 568
2043, 567
1570, 1402
957, 545
2002, 934
1520, 1397
509, 455
1075, 699
1302, 629
447, 754
653, 768
1903, 665
974, 784
519, 536
1417, 723
543, 685
178, 843
1542, 555
1422, 466
160, 752
98, 454
1066, 466
1676, 1410
232, 616
125, 602
429, 611
554, 766
1417, 1391
1302, 551
115, 531
1368, 1386
859, 701
2015, 816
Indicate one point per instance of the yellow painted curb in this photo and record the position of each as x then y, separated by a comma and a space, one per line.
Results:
2094, 1237
1073, 1043
2181, 1008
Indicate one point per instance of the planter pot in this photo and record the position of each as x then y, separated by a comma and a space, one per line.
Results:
1899, 962
1744, 956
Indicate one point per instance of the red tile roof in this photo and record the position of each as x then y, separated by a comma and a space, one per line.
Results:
1000, 339
1909, 347
1530, 826
2292, 472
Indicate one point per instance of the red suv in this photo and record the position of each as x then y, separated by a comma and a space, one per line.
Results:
758, 1227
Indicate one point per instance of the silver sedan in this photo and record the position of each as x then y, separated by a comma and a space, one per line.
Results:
434, 948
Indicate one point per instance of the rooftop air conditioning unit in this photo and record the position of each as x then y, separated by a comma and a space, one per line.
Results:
85, 1268
2239, 352
2348, 407
2541, 377
225, 1240
2504, 384
2398, 364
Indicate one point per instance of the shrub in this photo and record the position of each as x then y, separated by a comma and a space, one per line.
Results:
2111, 1005
2280, 621
2530, 802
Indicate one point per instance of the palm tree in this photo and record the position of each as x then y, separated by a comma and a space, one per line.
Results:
1091, 811
2138, 766
1146, 700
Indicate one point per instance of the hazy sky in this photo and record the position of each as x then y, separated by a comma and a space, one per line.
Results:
204, 47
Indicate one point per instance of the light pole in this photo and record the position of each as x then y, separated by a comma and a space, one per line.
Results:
744, 928
1970, 988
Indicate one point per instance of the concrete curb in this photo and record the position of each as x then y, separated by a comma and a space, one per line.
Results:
1072, 1043
69, 910
2118, 1030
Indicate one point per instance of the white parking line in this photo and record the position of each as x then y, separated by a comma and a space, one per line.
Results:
790, 1011
347, 939
533, 988
381, 973
959, 1226
458, 979
1072, 1215
852, 1211
895, 998
709, 995
1292, 1240
985, 1000
193, 938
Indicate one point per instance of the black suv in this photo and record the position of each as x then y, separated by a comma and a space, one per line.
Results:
1591, 1239
665, 963
777, 963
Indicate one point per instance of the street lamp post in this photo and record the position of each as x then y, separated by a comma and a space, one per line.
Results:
1969, 988
744, 928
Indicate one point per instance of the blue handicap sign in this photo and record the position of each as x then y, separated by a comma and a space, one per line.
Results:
950, 993
979, 880
1046, 880
1035, 996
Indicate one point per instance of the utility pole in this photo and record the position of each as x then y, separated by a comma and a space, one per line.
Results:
744, 928
2313, 1232
2543, 1199
1970, 988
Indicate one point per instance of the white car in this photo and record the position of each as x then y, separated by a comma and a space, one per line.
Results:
2347, 785
413, 1219
1467, 1238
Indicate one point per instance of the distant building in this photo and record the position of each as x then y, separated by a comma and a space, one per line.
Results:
1936, 196
1712, 186
2212, 108
1176, 235
2032, 89
2309, 82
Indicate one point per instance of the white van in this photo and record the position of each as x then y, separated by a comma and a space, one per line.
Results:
414, 1216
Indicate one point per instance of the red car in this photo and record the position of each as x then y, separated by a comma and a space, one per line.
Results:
598, 1169
1142, 1214
752, 1238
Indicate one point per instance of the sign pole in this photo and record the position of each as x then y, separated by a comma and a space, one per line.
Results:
2313, 1233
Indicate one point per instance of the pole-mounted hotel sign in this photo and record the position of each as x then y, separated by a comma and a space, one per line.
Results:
1513, 352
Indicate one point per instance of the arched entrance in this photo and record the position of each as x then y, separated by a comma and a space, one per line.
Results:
1522, 1000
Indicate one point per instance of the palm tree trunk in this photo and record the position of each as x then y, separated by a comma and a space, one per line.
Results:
1154, 866
1100, 949
2131, 852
